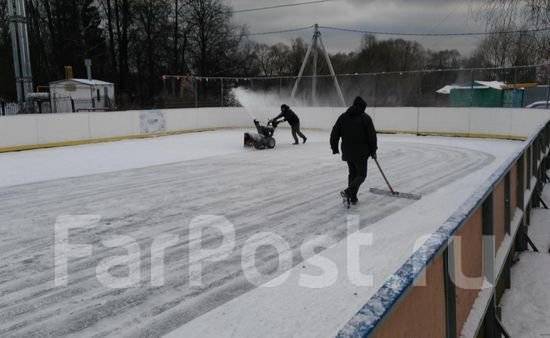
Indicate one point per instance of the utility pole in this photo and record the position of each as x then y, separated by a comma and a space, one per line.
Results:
316, 45
17, 18
316, 36
547, 72
88, 65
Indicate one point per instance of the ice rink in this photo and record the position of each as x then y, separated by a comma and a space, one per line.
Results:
144, 188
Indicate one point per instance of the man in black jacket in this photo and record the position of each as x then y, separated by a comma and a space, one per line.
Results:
359, 142
292, 119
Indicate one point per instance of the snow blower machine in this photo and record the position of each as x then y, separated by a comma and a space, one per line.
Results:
264, 138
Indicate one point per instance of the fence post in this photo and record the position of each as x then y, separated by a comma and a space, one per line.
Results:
375, 90
221, 92
547, 88
450, 290
489, 253
489, 245
196, 87
3, 111
529, 169
521, 244
72, 105
472, 88
507, 204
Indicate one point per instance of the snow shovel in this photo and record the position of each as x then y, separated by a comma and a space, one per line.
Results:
392, 192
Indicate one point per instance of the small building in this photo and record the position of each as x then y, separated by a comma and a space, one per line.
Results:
487, 94
73, 95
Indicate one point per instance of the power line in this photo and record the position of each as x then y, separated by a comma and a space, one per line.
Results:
364, 74
282, 31
281, 6
349, 30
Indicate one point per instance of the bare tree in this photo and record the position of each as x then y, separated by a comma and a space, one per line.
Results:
211, 35
506, 15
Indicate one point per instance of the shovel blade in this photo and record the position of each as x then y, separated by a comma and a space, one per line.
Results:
396, 194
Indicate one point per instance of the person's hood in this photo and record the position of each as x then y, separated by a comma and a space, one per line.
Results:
358, 108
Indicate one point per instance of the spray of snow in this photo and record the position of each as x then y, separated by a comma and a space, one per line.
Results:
256, 103
262, 104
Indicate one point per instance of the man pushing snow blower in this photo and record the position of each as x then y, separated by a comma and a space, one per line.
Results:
289, 116
359, 142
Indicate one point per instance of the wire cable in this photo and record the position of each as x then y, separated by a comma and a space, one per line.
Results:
282, 31
349, 30
281, 6
397, 72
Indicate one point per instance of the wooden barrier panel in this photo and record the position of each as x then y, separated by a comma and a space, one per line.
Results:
422, 312
469, 264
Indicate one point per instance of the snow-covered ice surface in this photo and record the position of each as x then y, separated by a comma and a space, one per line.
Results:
48, 164
144, 188
526, 307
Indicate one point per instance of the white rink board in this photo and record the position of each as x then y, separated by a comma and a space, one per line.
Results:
105, 125
449, 120
396, 119
30, 130
16, 130
62, 127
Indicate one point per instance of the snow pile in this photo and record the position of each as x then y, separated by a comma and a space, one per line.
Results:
526, 307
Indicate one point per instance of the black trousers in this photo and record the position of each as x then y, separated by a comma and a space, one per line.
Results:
296, 132
357, 175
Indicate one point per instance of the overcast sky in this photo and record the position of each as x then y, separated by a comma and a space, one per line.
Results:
424, 16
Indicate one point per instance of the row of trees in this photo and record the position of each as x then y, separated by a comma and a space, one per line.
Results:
130, 42
134, 42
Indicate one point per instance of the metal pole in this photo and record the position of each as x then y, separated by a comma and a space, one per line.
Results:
336, 84
221, 92
196, 82
20, 49
24, 48
314, 79
450, 289
375, 90
301, 73
88, 64
472, 89
15, 49
316, 34
547, 84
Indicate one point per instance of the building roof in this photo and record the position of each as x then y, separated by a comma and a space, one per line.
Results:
477, 85
447, 89
85, 82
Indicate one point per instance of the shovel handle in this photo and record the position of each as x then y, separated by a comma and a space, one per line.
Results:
384, 176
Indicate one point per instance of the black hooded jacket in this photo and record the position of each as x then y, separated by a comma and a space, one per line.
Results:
289, 116
355, 128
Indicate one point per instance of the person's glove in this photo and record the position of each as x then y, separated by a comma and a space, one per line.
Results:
335, 152
374, 156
